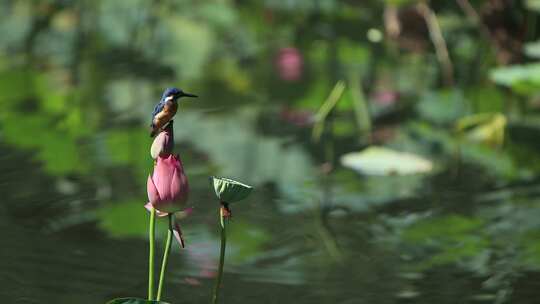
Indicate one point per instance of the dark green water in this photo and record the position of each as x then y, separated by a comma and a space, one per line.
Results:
80, 238
78, 81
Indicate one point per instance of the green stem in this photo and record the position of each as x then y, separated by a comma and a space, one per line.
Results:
221, 257
165, 259
151, 236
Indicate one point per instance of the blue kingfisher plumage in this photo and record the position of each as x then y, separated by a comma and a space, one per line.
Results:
166, 109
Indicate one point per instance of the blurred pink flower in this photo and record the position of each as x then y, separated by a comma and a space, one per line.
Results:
289, 64
202, 256
299, 118
192, 281
386, 97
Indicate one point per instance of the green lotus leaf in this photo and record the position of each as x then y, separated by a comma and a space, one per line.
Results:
380, 161
134, 301
230, 191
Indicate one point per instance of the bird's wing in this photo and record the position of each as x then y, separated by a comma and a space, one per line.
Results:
157, 109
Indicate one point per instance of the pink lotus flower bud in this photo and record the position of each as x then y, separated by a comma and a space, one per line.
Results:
163, 143
168, 186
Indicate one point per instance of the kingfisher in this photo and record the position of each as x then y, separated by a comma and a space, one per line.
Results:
166, 108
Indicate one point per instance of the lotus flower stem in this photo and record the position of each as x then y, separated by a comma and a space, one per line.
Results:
152, 236
165, 259
219, 277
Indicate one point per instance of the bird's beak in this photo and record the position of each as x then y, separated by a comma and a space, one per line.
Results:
184, 94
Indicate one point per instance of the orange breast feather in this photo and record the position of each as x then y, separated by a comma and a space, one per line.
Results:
165, 115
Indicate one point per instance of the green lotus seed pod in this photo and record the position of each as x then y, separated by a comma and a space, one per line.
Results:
230, 191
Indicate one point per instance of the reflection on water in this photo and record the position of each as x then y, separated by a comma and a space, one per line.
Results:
95, 249
77, 84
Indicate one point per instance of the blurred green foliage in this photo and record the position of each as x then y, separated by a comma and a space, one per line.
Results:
287, 89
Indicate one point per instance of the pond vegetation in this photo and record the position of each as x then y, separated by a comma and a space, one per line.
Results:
392, 145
